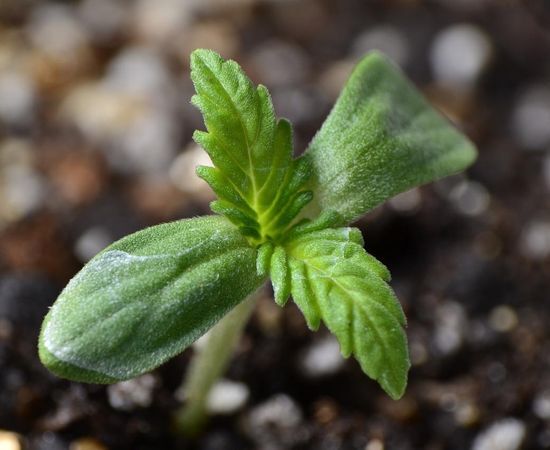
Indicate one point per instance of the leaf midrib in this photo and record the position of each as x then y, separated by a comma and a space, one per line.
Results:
250, 171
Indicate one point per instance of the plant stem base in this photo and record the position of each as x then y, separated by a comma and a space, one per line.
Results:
209, 364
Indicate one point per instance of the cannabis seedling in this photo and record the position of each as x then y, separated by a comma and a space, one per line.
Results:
147, 297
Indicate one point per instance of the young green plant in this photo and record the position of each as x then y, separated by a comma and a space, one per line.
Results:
148, 296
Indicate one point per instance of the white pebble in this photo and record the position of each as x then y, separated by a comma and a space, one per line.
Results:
147, 146
470, 198
506, 434
386, 39
418, 353
278, 411
375, 444
503, 319
17, 98
531, 118
459, 54
24, 191
159, 22
183, 172
541, 405
535, 240
9, 441
138, 71
451, 323
55, 29
127, 395
227, 397
322, 358
91, 242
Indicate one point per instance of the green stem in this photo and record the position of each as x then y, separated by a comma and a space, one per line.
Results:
209, 363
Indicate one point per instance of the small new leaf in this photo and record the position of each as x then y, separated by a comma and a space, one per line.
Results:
334, 280
258, 183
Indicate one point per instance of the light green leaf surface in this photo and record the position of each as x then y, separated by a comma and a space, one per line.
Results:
147, 297
335, 281
258, 184
280, 276
381, 138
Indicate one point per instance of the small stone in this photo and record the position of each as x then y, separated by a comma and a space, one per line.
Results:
448, 401
104, 19
506, 434
496, 372
401, 411
140, 72
132, 394
227, 397
407, 202
280, 411
77, 176
271, 61
183, 174
87, 444
159, 22
451, 323
535, 240
276, 423
541, 405
325, 411
55, 29
531, 118
418, 353
9, 441
503, 319
17, 98
72, 405
385, 38
470, 198
466, 414
322, 358
459, 54
375, 444
91, 242
22, 190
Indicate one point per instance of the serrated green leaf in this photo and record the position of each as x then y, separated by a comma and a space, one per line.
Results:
381, 138
263, 261
259, 185
147, 297
334, 280
280, 275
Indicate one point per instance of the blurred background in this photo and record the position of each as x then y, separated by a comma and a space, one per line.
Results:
95, 142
